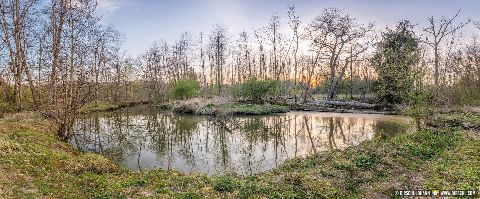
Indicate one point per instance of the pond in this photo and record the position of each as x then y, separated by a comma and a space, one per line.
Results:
142, 138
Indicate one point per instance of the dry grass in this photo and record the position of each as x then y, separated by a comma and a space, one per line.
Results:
222, 106
193, 105
465, 109
25, 120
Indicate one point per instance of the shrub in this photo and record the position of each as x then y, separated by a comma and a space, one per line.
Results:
396, 55
185, 89
224, 184
257, 90
470, 96
419, 107
364, 161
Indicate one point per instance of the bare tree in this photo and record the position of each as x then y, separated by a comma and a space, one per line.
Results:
261, 55
272, 31
58, 11
295, 25
437, 31
202, 62
218, 45
337, 33
244, 70
156, 69
15, 27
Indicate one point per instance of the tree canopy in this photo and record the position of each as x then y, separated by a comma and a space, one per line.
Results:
397, 53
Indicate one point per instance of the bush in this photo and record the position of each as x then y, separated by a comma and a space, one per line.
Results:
419, 107
257, 90
224, 184
364, 161
185, 89
394, 60
469, 95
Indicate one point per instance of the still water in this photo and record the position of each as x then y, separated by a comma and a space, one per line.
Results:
143, 138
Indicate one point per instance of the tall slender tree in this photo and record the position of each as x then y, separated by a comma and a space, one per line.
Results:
437, 31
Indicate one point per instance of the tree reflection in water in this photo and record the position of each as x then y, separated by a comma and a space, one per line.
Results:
142, 138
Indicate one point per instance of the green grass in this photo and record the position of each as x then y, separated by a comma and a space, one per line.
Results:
34, 163
202, 106
224, 183
457, 169
242, 109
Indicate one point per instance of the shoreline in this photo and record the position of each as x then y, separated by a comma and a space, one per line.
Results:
27, 170
198, 106
229, 108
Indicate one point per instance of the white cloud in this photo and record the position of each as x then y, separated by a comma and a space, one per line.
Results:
106, 8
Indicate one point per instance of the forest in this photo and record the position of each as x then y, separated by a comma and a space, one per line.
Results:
60, 63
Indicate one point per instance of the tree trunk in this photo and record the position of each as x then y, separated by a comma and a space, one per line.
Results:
436, 59
57, 27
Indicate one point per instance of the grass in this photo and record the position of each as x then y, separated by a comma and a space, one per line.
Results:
458, 168
34, 163
242, 109
222, 106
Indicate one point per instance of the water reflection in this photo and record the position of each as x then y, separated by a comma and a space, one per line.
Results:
142, 138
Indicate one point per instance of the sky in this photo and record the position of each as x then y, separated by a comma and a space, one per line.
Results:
144, 21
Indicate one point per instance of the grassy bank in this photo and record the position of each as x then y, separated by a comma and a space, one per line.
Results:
222, 106
34, 163
242, 109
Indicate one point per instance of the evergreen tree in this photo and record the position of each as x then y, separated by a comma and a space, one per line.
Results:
397, 53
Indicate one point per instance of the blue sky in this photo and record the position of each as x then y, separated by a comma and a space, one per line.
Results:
145, 21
